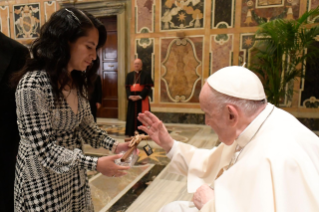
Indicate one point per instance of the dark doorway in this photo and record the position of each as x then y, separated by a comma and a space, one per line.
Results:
109, 70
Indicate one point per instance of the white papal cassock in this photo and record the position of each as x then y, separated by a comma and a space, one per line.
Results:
276, 170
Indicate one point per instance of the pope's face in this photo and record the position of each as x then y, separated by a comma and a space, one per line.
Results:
83, 51
213, 118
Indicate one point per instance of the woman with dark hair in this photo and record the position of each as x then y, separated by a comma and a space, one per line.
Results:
54, 117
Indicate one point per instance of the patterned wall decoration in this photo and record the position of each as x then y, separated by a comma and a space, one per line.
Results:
5, 20
223, 14
180, 14
309, 91
144, 15
221, 51
256, 12
181, 69
49, 8
26, 21
312, 102
145, 51
247, 42
269, 3
312, 4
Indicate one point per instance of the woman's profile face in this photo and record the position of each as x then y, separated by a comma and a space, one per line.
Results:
83, 51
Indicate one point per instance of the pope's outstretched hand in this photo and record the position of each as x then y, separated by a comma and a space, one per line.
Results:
156, 130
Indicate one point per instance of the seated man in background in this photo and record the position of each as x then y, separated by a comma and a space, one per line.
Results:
267, 161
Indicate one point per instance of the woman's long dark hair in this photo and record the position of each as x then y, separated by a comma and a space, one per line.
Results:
51, 51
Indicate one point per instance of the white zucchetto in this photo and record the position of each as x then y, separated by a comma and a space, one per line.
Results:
237, 81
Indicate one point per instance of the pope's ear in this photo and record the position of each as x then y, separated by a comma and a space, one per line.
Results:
232, 114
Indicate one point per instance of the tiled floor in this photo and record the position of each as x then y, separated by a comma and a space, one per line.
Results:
147, 186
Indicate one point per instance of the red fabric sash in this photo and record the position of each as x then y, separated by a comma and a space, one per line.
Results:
139, 88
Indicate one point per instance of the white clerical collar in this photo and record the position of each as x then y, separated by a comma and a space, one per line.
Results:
249, 132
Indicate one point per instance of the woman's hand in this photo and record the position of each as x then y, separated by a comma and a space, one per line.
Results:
107, 166
123, 147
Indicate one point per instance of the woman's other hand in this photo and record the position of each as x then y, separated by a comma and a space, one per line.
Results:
108, 167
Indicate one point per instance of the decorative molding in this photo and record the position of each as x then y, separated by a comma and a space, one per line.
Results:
270, 3
312, 102
47, 6
312, 5
97, 8
5, 8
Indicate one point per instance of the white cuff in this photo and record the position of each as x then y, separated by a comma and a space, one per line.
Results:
173, 150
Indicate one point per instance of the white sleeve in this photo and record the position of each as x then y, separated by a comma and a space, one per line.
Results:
173, 150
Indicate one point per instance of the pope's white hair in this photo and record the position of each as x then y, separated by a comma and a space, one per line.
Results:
248, 107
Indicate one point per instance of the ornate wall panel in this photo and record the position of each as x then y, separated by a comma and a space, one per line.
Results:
312, 4
49, 8
145, 51
223, 14
255, 12
247, 42
180, 14
26, 21
181, 69
221, 51
309, 88
144, 10
5, 20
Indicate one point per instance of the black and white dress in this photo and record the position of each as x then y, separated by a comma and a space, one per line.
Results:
51, 168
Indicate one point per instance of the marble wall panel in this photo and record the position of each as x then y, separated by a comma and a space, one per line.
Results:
312, 4
221, 51
49, 8
144, 14
247, 42
145, 51
223, 14
256, 12
181, 69
26, 21
309, 91
180, 14
5, 20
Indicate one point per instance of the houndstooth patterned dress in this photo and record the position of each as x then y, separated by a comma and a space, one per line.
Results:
51, 168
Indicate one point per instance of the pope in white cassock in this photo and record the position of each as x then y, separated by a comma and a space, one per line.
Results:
267, 161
